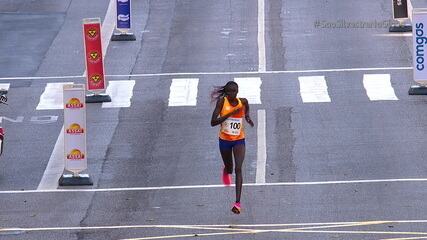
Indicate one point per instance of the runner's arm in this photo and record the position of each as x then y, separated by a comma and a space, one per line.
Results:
247, 116
216, 119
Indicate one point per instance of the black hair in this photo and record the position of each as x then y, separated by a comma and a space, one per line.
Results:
219, 91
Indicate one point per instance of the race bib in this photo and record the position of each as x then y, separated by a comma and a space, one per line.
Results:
232, 126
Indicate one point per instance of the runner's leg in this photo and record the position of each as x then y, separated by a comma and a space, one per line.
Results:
227, 158
239, 156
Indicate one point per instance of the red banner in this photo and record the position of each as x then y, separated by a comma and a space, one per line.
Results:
93, 52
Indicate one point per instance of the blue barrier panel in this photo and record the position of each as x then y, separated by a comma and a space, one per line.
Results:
123, 14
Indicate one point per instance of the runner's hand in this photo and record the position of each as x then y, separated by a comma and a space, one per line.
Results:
249, 120
233, 112
237, 110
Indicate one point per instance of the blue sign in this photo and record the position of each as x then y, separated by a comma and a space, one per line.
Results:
123, 14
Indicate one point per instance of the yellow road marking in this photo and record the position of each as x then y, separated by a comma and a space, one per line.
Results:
410, 238
188, 235
352, 232
341, 225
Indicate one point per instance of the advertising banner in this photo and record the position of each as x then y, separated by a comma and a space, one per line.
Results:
123, 14
419, 50
75, 128
93, 54
400, 9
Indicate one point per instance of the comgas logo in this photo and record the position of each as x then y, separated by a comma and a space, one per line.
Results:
123, 17
421, 41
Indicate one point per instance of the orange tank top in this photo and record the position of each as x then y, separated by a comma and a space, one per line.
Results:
232, 128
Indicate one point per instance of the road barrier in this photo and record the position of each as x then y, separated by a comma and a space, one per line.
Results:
95, 77
419, 48
402, 10
75, 152
123, 21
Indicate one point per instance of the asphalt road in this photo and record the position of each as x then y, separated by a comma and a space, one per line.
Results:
348, 168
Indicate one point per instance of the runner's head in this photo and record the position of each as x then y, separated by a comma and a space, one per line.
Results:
229, 90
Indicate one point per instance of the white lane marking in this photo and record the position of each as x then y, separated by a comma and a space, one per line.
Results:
120, 92
210, 226
4, 86
54, 167
40, 78
183, 92
262, 147
52, 171
393, 35
214, 186
243, 229
314, 89
405, 238
250, 88
52, 97
215, 73
261, 36
378, 87
206, 226
266, 72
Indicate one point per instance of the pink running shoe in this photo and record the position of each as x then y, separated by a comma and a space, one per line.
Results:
236, 208
226, 178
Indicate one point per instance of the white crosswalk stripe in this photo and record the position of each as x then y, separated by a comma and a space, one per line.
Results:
4, 86
378, 87
120, 92
52, 97
250, 88
313, 89
183, 92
